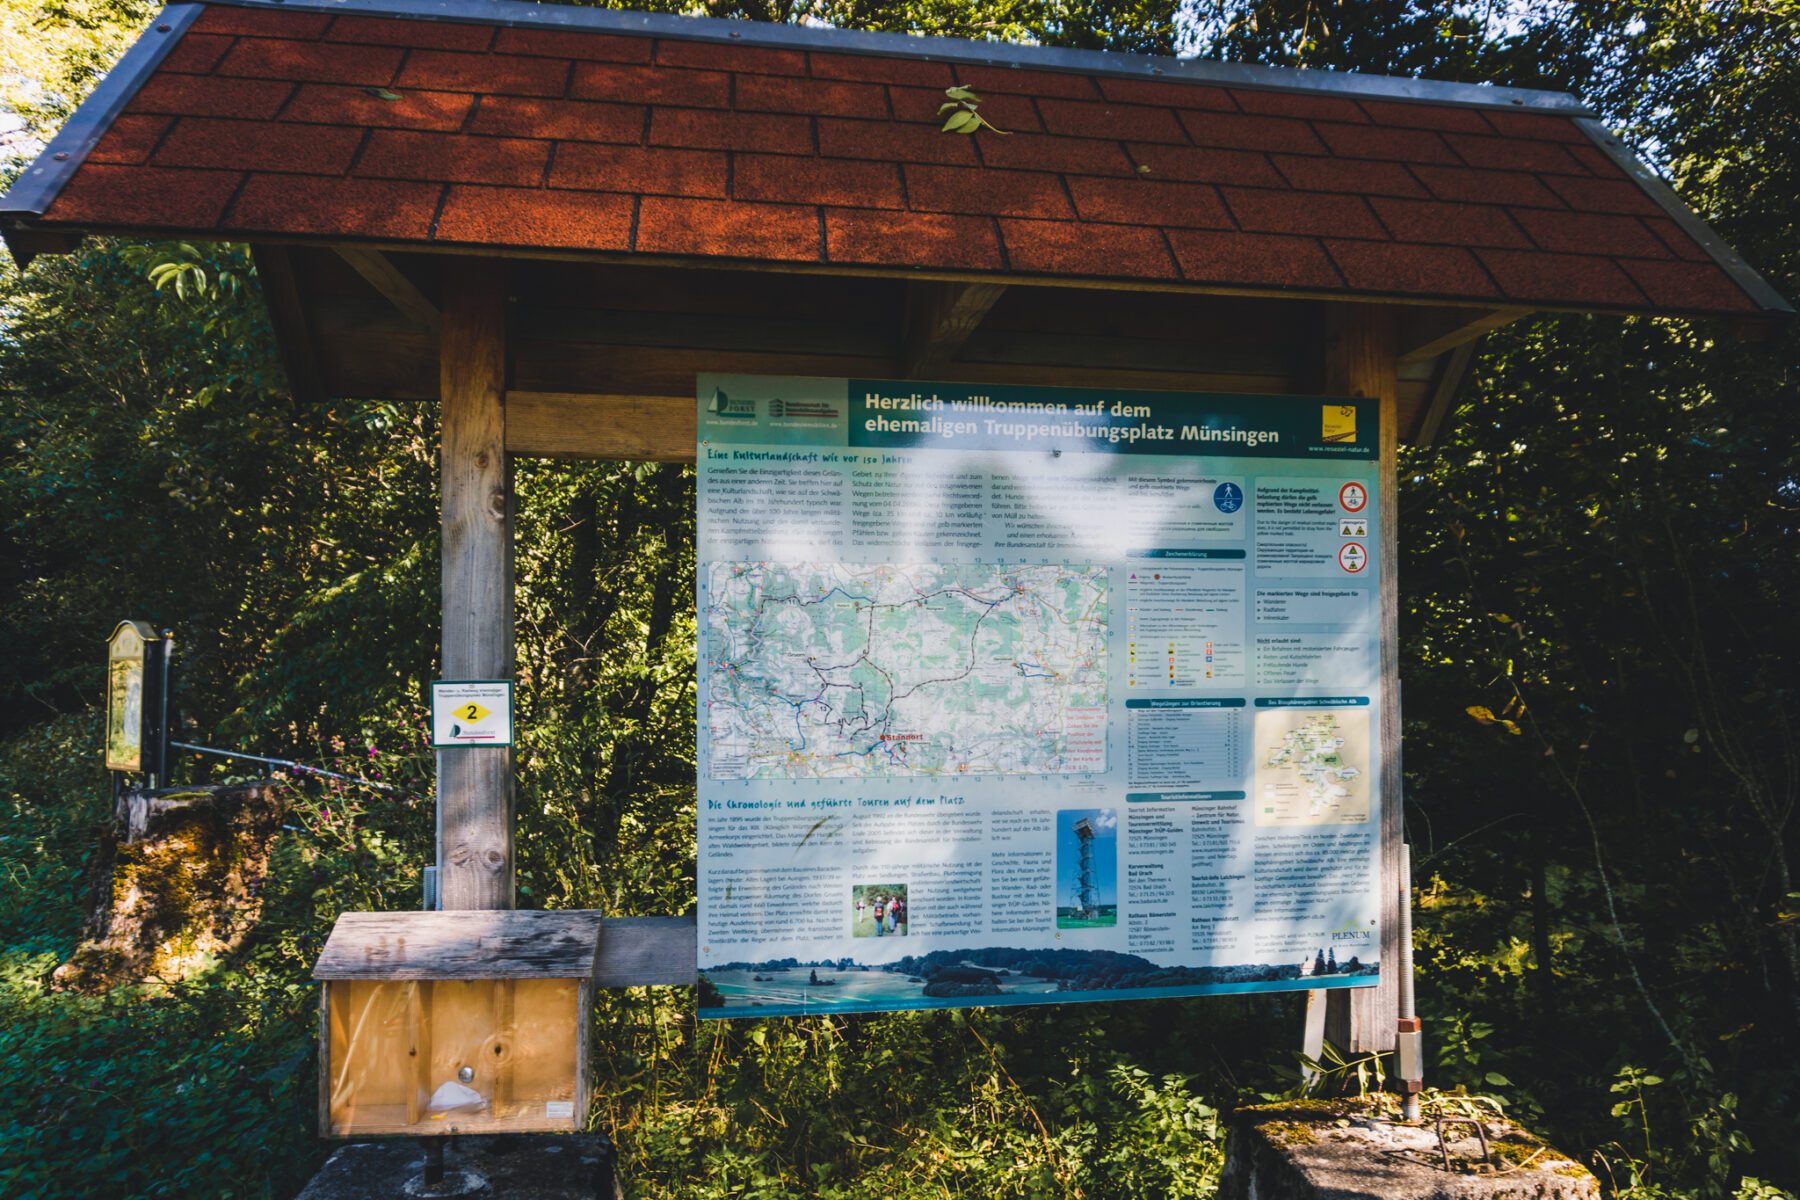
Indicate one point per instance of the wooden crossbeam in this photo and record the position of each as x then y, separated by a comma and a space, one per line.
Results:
939, 319
382, 275
1444, 386
572, 425
646, 952
1435, 333
638, 427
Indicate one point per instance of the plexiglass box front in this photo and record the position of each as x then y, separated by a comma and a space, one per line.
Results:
437, 1056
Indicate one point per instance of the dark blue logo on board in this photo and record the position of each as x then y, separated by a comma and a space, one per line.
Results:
1228, 497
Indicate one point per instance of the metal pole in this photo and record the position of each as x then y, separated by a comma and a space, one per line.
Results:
434, 1160
162, 715
1409, 1040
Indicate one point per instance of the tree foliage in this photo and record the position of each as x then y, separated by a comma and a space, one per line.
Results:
1601, 766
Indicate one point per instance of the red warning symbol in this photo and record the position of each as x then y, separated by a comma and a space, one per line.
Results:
1352, 557
1353, 497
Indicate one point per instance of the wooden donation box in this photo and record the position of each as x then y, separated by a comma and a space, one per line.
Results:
456, 1022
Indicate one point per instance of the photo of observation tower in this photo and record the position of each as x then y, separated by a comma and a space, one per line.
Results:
1087, 868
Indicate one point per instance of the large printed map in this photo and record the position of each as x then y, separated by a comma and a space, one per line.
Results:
835, 670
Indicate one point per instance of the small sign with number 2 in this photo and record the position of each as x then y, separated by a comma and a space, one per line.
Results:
471, 712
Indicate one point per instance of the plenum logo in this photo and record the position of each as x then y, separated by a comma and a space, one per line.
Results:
1354, 931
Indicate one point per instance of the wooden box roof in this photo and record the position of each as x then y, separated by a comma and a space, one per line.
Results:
508, 944
565, 132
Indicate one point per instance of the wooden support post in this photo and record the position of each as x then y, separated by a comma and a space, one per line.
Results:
475, 785
1360, 361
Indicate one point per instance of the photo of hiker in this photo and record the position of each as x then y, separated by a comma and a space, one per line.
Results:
1087, 868
880, 909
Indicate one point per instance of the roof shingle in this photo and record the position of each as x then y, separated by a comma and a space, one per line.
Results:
654, 172
728, 229
854, 235
503, 216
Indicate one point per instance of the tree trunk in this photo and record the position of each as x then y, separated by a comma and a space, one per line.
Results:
178, 883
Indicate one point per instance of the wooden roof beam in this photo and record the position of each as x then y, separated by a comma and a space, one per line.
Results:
1434, 333
1445, 385
939, 319
606, 427
380, 272
294, 341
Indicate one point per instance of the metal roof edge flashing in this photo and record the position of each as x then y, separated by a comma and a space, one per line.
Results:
37, 187
1727, 259
931, 48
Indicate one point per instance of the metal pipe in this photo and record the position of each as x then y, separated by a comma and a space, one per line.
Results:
434, 1160
162, 719
1406, 948
1409, 1039
291, 765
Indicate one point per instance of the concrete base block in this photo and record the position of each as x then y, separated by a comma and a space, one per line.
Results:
555, 1166
1347, 1150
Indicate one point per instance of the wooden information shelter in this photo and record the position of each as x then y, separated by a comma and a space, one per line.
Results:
549, 219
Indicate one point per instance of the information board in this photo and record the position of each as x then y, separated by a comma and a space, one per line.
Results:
1027, 695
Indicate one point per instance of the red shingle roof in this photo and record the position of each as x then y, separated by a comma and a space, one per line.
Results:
265, 121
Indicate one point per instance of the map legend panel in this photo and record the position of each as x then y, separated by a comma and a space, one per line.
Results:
1185, 622
1184, 743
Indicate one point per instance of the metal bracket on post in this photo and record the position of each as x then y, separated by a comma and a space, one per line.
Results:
1312, 1041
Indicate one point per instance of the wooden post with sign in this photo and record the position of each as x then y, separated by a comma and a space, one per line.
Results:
475, 784
1359, 361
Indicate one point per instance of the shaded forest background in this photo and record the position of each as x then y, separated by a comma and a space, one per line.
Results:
1599, 591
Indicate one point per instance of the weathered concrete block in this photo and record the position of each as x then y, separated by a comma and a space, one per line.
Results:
1346, 1150
554, 1166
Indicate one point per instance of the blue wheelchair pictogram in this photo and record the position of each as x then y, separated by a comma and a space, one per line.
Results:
1228, 497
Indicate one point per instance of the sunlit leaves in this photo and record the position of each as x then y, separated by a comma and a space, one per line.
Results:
1484, 715
962, 112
